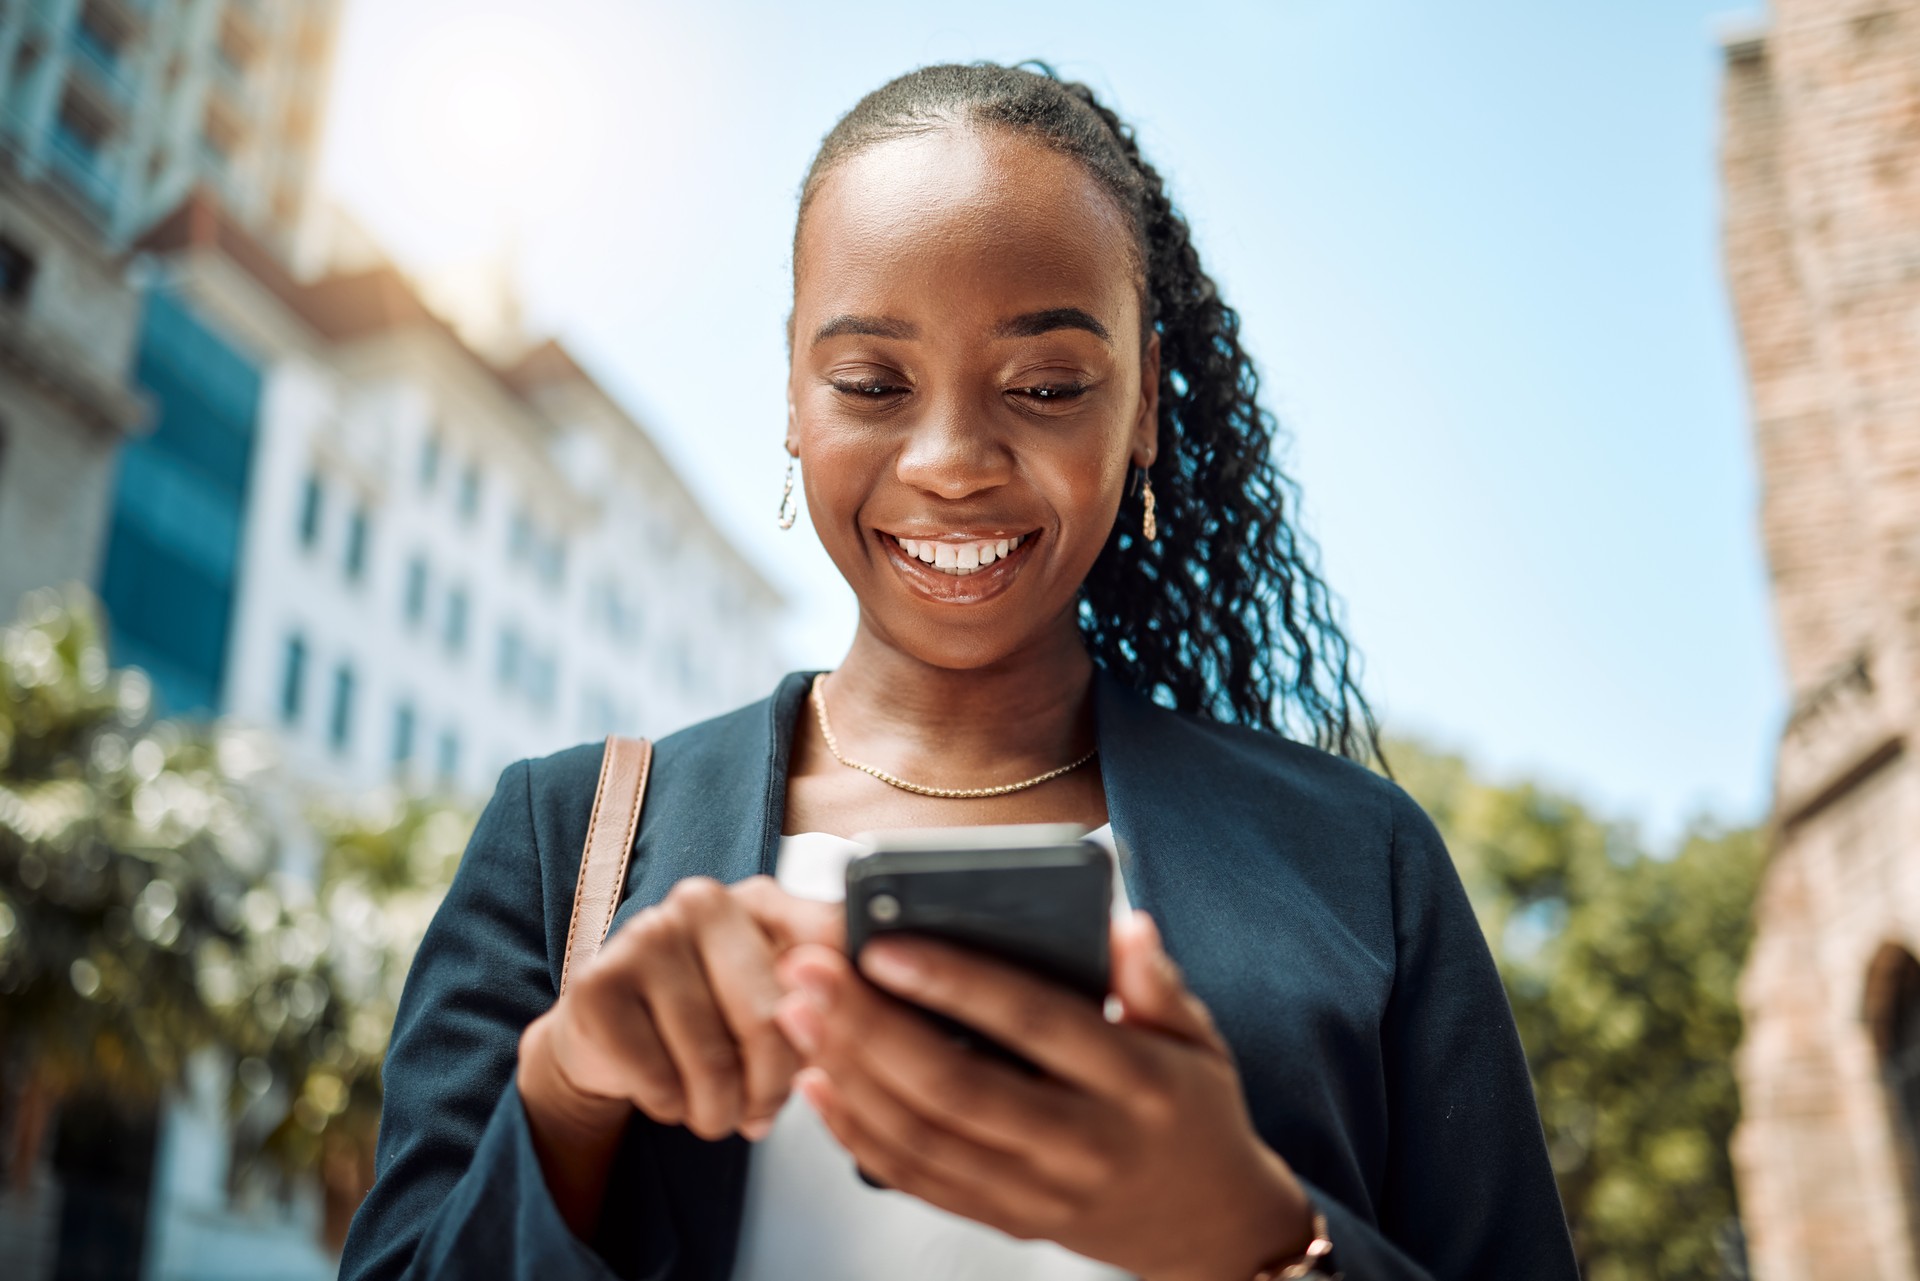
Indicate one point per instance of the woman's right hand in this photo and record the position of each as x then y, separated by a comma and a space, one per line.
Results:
673, 1017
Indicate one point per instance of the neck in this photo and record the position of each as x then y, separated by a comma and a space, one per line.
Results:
1032, 707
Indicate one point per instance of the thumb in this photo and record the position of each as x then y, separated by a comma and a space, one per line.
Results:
1148, 983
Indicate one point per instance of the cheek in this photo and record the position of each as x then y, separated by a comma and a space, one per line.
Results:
839, 469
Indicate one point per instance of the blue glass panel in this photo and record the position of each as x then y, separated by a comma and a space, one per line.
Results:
172, 558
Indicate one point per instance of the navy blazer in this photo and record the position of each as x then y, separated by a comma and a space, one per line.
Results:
1310, 902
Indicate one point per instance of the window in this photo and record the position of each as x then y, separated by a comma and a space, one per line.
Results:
542, 677
553, 561
456, 636
357, 544
470, 491
16, 272
1900, 1046
340, 723
293, 679
519, 534
447, 763
430, 460
403, 734
509, 657
416, 600
312, 505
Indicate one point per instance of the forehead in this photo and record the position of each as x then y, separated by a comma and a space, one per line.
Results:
963, 219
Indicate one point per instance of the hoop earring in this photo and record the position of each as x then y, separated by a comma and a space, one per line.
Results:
1148, 525
789, 509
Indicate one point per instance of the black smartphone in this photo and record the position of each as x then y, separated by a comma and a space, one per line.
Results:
1038, 896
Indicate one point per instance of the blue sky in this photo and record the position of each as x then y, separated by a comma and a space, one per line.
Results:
1475, 248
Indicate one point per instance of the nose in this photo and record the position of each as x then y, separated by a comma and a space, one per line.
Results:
954, 452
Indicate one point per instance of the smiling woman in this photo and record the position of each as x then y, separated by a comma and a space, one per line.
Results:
1001, 343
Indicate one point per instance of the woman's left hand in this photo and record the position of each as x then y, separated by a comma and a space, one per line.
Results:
1134, 1149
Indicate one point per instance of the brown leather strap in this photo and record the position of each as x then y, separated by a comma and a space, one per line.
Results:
610, 833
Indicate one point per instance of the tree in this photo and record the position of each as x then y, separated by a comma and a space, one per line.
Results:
146, 916
1621, 967
127, 851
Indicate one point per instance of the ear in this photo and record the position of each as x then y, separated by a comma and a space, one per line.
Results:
1146, 425
793, 431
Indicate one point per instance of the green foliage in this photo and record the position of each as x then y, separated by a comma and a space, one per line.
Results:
145, 913
1621, 967
386, 866
126, 852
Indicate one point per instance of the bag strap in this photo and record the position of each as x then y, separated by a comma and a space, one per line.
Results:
603, 863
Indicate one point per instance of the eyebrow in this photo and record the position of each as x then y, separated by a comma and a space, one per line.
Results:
866, 327
1035, 323
1030, 325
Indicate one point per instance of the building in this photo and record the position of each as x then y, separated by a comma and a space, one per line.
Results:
67, 330
1821, 166
418, 562
129, 104
110, 112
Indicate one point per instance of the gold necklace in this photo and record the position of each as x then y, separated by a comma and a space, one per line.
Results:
919, 789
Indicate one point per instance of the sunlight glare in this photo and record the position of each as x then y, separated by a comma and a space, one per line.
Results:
493, 118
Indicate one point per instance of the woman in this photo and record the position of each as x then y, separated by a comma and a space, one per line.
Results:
1031, 444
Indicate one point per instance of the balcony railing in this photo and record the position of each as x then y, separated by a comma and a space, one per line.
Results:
104, 64
232, 78
77, 166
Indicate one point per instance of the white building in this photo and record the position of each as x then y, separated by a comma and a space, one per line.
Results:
447, 563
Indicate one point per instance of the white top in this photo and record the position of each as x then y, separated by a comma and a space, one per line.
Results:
808, 1216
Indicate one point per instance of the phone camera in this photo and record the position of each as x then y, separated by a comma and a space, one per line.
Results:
884, 908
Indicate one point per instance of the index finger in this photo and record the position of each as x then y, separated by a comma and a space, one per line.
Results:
1059, 1030
790, 921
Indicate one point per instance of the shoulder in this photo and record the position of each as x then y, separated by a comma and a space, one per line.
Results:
1249, 771
560, 786
1352, 834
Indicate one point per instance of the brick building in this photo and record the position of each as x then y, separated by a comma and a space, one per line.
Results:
1821, 165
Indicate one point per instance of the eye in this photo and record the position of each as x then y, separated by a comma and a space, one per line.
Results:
867, 388
1052, 393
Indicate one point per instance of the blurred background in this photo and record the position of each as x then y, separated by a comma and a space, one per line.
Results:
391, 389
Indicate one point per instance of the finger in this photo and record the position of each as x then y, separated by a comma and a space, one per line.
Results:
791, 921
904, 1170
737, 958
684, 1010
1037, 1148
606, 1045
1151, 990
1058, 1030
855, 1028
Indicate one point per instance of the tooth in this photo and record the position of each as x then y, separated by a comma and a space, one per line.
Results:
1000, 548
924, 551
968, 556
944, 557
988, 552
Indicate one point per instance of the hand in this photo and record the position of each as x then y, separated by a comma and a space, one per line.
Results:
673, 1017
1134, 1148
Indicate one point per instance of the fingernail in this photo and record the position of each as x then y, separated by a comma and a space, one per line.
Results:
754, 1131
815, 985
799, 1021
891, 966
812, 1086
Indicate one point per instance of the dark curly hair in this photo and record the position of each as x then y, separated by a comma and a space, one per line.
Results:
1225, 614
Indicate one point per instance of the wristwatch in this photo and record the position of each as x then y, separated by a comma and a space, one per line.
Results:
1310, 1264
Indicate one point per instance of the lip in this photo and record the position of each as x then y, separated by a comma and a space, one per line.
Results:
983, 584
